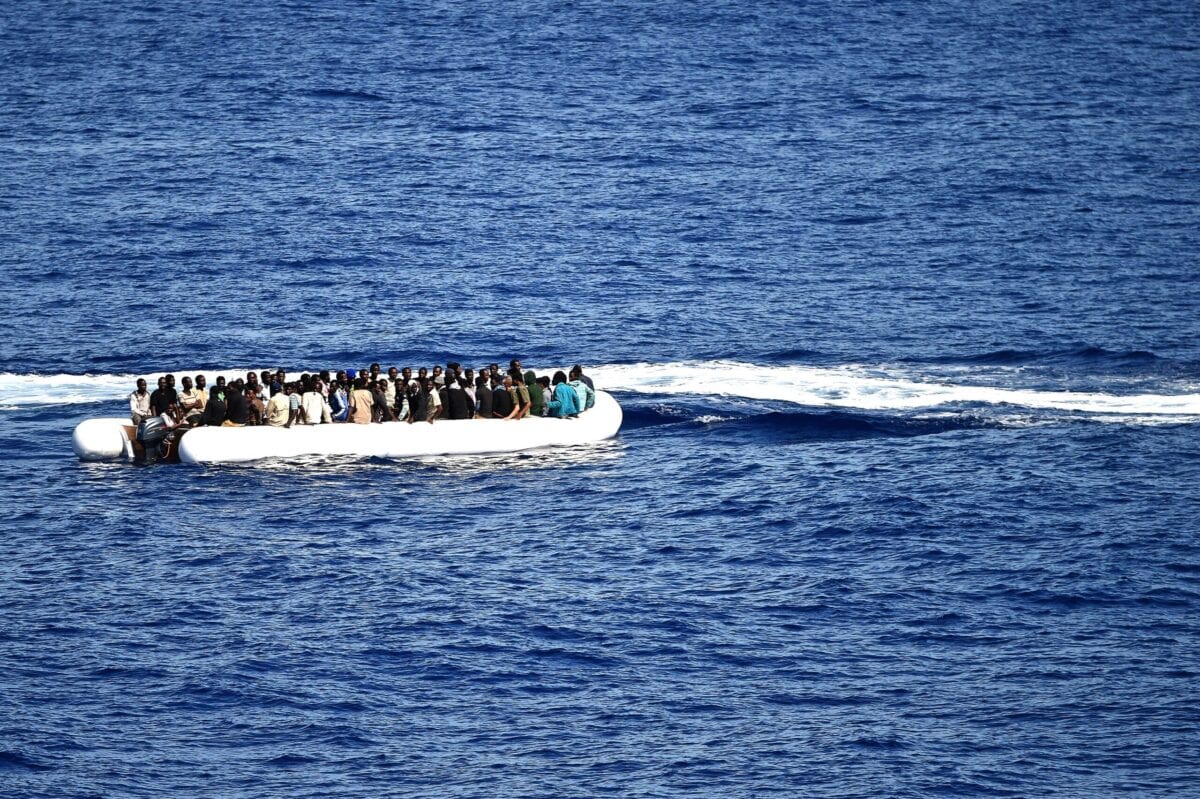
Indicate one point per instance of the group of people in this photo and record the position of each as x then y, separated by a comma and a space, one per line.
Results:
358, 396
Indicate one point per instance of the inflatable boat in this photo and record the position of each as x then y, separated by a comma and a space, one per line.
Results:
116, 439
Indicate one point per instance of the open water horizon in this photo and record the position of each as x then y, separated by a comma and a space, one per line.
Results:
900, 302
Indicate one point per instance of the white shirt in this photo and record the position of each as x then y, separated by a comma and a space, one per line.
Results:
316, 409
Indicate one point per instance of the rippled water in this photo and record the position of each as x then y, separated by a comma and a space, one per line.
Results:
900, 305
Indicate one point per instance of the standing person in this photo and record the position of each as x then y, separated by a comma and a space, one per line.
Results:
537, 397
401, 408
161, 397
339, 400
139, 403
381, 409
520, 394
362, 402
418, 405
435, 400
564, 402
483, 395
279, 409
457, 406
502, 401
389, 388
469, 387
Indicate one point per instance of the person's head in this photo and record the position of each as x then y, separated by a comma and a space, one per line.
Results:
289, 388
422, 373
280, 376
508, 381
221, 381
186, 382
324, 375
162, 382
265, 376
251, 390
437, 370
393, 372
575, 373
341, 376
577, 369
559, 377
172, 409
251, 377
515, 373
141, 385
201, 382
170, 381
530, 377
360, 383
374, 368
406, 373
494, 368
544, 382
514, 364
469, 374
517, 378
234, 388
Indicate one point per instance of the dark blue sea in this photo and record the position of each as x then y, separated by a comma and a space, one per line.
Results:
901, 302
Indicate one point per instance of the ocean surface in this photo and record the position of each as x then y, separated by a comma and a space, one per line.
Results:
901, 301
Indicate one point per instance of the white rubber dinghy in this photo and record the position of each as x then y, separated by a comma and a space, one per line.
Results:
106, 439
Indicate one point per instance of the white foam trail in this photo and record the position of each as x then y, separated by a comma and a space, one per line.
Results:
25, 390
869, 389
852, 387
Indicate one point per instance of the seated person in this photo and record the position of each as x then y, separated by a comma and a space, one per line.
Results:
191, 402
156, 431
537, 397
257, 408
214, 409
313, 407
139, 403
362, 402
279, 408
564, 401
587, 395
237, 409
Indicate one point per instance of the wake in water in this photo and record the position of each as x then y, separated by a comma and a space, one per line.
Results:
864, 389
850, 388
